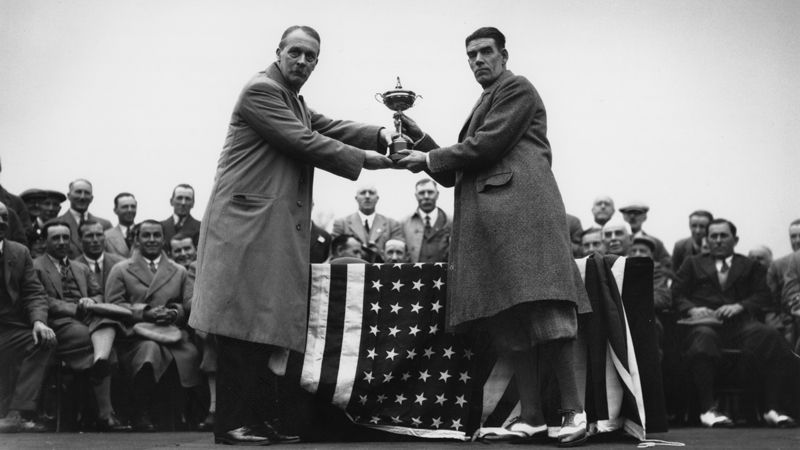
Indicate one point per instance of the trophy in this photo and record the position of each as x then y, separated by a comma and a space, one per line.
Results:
398, 100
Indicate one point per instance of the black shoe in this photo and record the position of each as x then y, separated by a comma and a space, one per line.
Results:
111, 423
276, 436
207, 424
99, 371
143, 423
243, 436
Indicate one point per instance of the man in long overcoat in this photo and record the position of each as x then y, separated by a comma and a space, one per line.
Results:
253, 256
511, 270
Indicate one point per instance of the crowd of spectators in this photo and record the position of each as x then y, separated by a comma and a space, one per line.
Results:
112, 301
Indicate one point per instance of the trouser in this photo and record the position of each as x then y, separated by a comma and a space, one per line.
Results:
17, 347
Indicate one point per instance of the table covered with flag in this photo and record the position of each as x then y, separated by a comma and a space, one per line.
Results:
377, 349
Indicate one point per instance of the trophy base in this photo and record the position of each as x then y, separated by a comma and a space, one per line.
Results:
396, 146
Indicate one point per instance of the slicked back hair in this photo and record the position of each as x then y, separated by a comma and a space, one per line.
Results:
306, 29
488, 32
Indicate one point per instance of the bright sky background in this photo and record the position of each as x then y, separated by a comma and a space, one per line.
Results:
681, 104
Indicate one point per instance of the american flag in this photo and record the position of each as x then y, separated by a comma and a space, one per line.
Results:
376, 348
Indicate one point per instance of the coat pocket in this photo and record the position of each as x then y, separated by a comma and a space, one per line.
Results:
247, 199
493, 180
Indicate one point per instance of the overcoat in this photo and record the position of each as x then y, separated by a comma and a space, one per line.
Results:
510, 242
131, 283
253, 258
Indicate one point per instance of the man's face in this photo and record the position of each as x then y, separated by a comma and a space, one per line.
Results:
395, 254
616, 239
50, 208
794, 237
33, 204
761, 256
182, 201
80, 196
699, 227
3, 221
426, 197
602, 210
635, 219
58, 241
298, 58
126, 210
367, 198
486, 61
592, 242
721, 241
352, 249
151, 240
640, 250
183, 251
93, 240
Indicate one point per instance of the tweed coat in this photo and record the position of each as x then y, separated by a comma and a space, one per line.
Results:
253, 257
131, 284
510, 242
22, 286
383, 228
115, 242
75, 248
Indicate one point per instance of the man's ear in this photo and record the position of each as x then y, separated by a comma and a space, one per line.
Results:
504, 52
278, 54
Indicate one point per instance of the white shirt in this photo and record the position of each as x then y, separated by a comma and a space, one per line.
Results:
368, 218
728, 260
433, 215
155, 261
78, 216
98, 263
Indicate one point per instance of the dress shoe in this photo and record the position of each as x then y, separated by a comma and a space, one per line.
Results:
778, 420
111, 423
573, 429
715, 419
243, 436
13, 422
276, 436
208, 423
99, 371
143, 423
517, 431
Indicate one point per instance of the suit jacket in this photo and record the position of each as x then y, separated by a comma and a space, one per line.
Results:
253, 267
439, 239
75, 247
109, 261
383, 228
682, 250
23, 287
115, 242
791, 280
510, 242
50, 277
697, 284
18, 205
191, 227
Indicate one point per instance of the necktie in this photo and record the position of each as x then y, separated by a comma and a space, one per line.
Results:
83, 220
179, 225
723, 273
427, 225
366, 226
152, 267
129, 236
62, 267
97, 270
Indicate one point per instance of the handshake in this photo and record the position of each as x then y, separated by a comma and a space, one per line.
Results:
413, 160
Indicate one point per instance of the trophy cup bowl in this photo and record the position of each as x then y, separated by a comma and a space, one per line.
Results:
398, 100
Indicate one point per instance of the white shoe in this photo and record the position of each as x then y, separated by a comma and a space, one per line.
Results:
573, 429
713, 418
515, 430
776, 419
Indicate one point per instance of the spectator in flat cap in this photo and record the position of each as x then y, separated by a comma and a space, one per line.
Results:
635, 213
692, 245
43, 205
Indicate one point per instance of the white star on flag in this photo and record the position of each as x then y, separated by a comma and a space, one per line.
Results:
381, 398
362, 399
418, 265
418, 285
368, 377
387, 377
464, 376
439, 264
396, 419
413, 330
440, 399
375, 307
377, 285
420, 399
399, 399
434, 329
396, 308
396, 285
416, 421
405, 376
437, 284
456, 424
429, 352
373, 329
448, 352
416, 307
397, 265
393, 331
371, 353
375, 419
411, 354
391, 354
436, 422
436, 306
468, 353
423, 375
460, 400
443, 376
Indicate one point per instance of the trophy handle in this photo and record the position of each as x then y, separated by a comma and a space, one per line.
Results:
379, 97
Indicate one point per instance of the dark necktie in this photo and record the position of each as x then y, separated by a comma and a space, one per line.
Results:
82, 221
129, 237
428, 228
63, 266
97, 270
153, 267
723, 273
179, 224
366, 226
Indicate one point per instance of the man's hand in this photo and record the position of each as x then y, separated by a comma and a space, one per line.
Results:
385, 138
410, 128
152, 314
413, 160
85, 301
374, 161
729, 311
43, 334
700, 312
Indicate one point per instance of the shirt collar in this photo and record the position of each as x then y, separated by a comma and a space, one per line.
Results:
433, 215
78, 216
156, 261
2, 243
369, 218
56, 262
728, 260
176, 219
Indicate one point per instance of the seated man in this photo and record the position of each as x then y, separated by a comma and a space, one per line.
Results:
616, 237
592, 241
761, 254
94, 255
26, 341
85, 340
347, 249
395, 252
723, 292
158, 291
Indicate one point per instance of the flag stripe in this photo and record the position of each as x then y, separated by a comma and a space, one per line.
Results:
317, 316
337, 304
351, 341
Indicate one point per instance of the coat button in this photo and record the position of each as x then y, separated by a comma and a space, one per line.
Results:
298, 227
452, 267
299, 203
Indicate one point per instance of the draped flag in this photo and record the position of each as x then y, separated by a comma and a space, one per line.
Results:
376, 348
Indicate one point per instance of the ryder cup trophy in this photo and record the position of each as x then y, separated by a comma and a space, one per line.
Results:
398, 100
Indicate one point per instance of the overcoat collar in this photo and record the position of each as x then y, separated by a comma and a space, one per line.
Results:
506, 73
140, 269
54, 276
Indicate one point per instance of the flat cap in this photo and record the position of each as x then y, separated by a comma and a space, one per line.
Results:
645, 240
634, 207
43, 193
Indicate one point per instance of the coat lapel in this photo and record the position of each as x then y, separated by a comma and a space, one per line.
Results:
140, 270
465, 127
53, 275
358, 228
162, 276
708, 265
81, 281
736, 270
